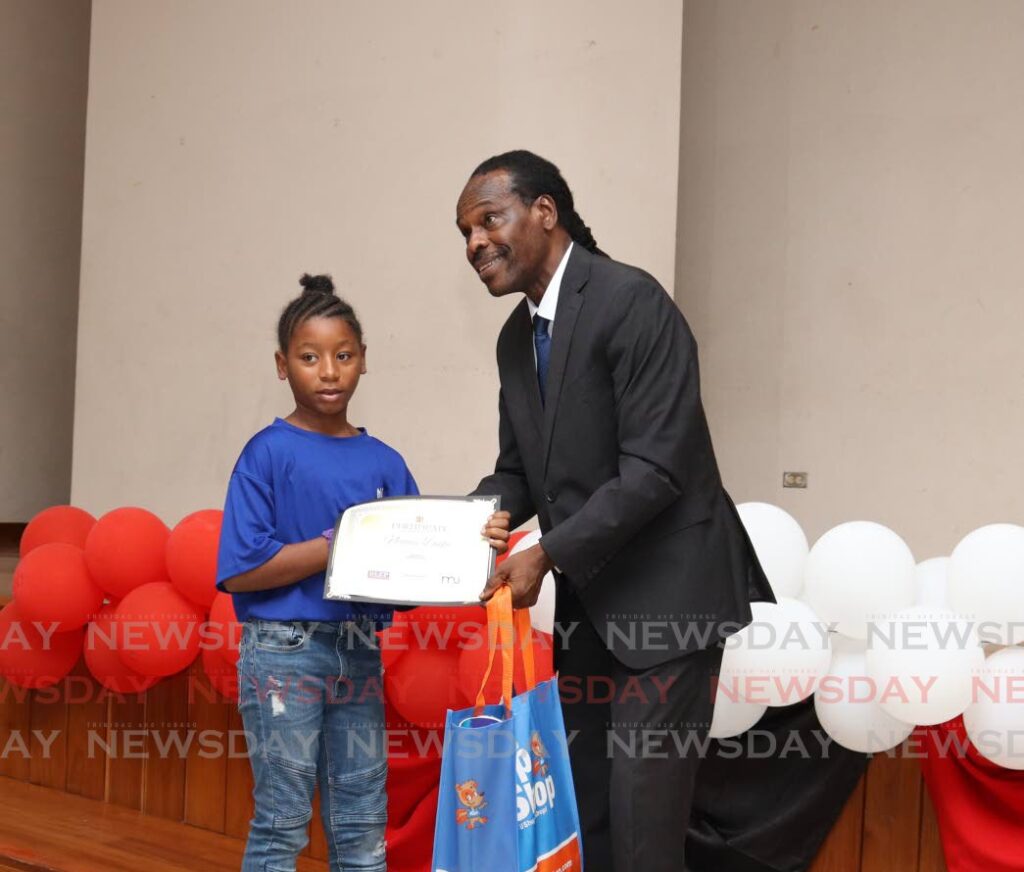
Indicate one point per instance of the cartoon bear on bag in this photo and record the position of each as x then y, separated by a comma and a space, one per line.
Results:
474, 803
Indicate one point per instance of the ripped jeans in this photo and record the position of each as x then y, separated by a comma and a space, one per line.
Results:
311, 700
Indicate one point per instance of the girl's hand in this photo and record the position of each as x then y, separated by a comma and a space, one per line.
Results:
495, 531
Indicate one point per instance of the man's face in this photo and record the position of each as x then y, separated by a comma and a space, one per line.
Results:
508, 241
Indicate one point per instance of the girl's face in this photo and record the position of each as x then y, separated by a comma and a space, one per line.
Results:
322, 366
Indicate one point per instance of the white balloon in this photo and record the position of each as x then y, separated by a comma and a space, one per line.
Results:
995, 721
931, 582
858, 570
542, 612
733, 716
846, 703
778, 658
924, 662
780, 544
845, 645
986, 581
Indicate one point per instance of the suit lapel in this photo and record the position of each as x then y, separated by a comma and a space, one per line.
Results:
570, 301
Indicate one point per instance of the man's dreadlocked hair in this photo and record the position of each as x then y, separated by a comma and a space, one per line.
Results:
531, 176
317, 300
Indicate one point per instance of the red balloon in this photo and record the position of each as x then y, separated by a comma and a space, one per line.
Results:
52, 585
192, 555
30, 658
223, 677
161, 629
473, 664
224, 627
126, 549
101, 641
66, 524
436, 627
412, 742
393, 644
422, 685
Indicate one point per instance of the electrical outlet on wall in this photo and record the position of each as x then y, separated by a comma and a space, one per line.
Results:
794, 479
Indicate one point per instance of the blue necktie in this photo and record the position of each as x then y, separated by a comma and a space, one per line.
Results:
542, 345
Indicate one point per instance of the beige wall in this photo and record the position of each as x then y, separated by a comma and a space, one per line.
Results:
848, 189
234, 145
44, 50
850, 255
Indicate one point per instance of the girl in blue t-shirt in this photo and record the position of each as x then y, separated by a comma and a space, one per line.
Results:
309, 668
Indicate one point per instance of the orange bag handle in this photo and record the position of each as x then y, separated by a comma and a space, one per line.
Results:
499, 632
503, 625
524, 630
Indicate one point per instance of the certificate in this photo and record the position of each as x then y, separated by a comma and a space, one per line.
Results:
412, 551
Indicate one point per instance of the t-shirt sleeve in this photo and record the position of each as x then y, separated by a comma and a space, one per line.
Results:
247, 534
400, 482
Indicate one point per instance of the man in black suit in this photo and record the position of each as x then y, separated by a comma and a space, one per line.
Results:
602, 435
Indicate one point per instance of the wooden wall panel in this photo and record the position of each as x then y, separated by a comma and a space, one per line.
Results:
317, 847
841, 851
15, 730
88, 714
48, 767
930, 858
238, 782
205, 773
124, 766
892, 814
167, 718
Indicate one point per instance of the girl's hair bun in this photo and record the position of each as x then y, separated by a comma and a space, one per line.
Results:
316, 284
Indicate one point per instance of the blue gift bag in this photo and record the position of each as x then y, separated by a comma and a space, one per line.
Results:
506, 801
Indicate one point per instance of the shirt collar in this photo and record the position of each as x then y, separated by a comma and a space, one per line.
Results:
549, 302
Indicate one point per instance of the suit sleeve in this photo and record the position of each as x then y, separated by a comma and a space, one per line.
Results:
652, 360
509, 478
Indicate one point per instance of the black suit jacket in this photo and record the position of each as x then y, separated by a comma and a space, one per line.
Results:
618, 466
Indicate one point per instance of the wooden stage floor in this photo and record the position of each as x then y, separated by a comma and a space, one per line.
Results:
43, 829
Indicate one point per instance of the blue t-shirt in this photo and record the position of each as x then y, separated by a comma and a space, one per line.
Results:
289, 485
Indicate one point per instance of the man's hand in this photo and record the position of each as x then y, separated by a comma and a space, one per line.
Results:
523, 573
495, 531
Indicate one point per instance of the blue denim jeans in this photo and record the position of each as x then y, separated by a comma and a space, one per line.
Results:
311, 700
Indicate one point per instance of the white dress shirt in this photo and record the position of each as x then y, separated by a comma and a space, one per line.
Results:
549, 302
